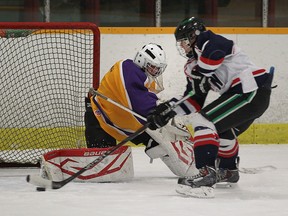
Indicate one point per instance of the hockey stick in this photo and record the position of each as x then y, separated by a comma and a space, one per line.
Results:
45, 183
94, 92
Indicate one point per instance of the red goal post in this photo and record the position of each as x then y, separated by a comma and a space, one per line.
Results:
46, 70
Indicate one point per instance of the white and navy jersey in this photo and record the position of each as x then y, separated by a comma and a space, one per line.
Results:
244, 89
222, 60
228, 70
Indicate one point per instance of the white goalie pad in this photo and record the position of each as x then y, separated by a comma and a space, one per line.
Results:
179, 148
178, 130
58, 165
180, 159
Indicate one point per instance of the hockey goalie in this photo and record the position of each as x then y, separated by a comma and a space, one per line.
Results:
129, 93
175, 150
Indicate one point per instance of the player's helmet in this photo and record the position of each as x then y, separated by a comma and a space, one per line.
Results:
152, 59
186, 34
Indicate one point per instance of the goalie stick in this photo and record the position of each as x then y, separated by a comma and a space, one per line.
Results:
93, 92
46, 183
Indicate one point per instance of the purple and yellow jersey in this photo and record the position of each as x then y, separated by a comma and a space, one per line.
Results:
129, 86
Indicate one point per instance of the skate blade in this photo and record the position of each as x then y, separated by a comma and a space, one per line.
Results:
202, 192
226, 185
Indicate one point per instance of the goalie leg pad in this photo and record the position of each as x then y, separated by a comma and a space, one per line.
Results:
61, 164
180, 157
154, 150
178, 130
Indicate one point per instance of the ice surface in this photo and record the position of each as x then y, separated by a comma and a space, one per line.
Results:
152, 192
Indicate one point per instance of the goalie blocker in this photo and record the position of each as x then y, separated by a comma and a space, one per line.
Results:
58, 165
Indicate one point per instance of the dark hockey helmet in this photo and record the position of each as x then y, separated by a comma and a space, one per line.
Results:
186, 34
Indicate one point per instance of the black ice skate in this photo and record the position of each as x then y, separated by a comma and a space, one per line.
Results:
200, 186
227, 176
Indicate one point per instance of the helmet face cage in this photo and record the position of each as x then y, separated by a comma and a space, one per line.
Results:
184, 47
154, 70
152, 59
187, 31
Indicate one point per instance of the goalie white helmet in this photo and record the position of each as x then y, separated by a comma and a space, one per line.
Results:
152, 59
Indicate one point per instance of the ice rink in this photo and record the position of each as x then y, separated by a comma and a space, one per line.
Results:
152, 192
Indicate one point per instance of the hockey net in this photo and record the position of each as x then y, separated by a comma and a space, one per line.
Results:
46, 69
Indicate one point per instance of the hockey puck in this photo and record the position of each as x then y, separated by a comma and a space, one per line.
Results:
40, 189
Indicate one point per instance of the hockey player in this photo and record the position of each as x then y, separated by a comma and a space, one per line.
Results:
134, 84
215, 63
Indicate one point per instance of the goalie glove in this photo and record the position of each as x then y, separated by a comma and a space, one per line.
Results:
160, 115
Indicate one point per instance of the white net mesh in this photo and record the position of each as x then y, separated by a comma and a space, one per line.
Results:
45, 75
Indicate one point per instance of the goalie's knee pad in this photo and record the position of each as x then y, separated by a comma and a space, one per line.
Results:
177, 130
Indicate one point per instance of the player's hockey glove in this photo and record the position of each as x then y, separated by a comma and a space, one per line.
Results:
160, 115
199, 83
215, 83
